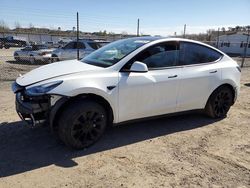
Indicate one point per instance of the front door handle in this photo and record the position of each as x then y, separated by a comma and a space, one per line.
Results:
172, 76
213, 71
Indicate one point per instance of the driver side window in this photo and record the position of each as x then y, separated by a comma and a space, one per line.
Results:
160, 55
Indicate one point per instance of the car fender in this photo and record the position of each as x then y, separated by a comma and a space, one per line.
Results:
111, 96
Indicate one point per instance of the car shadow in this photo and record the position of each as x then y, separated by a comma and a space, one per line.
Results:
247, 84
24, 149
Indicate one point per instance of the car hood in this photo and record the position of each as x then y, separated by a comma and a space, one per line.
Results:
54, 70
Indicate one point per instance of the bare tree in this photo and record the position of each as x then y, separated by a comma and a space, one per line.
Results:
17, 25
124, 33
31, 26
3, 26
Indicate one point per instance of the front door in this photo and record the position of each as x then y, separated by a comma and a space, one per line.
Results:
154, 92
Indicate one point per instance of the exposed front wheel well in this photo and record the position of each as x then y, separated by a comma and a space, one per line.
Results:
64, 102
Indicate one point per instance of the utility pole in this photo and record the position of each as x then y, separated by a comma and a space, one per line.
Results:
218, 34
245, 49
138, 27
184, 33
77, 35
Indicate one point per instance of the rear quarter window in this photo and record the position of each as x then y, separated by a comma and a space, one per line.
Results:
192, 53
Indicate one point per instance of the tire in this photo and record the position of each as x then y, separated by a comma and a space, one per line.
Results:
32, 59
6, 47
219, 102
82, 123
54, 58
16, 56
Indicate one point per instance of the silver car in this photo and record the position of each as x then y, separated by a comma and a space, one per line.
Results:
69, 51
33, 54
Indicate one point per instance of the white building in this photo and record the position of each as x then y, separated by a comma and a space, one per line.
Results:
234, 44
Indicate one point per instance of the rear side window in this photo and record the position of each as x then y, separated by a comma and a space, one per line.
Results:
191, 53
94, 45
69, 45
81, 45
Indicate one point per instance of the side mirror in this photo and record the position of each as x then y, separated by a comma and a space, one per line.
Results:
138, 67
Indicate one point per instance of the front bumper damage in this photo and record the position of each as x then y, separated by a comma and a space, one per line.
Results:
32, 109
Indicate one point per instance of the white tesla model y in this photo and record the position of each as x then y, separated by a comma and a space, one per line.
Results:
129, 79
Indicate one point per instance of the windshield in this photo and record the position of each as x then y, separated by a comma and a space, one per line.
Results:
114, 52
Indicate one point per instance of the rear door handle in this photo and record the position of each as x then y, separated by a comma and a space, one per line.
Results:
172, 76
213, 71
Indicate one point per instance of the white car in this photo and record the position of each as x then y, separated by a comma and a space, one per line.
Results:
69, 51
144, 77
33, 54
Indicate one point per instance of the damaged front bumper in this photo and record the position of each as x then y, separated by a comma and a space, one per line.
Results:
33, 110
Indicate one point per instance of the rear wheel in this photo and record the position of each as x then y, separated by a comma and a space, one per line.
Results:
82, 123
219, 102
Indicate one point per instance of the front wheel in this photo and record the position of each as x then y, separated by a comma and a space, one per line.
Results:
32, 59
82, 123
219, 102
16, 56
54, 58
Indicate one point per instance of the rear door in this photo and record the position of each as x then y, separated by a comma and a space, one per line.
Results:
199, 75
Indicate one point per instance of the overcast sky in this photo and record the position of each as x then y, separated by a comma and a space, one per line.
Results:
157, 17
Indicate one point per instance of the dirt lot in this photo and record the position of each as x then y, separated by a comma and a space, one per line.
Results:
9, 68
183, 151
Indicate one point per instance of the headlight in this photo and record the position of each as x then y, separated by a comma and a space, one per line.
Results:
42, 89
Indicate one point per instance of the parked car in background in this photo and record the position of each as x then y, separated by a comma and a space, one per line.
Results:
10, 41
1, 44
63, 41
52, 44
33, 54
69, 51
102, 42
129, 79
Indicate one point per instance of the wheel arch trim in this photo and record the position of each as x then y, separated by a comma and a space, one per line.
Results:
65, 101
230, 85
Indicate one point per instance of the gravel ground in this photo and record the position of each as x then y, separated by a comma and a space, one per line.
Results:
183, 151
11, 69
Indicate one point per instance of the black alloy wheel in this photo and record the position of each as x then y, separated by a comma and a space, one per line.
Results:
82, 123
219, 102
